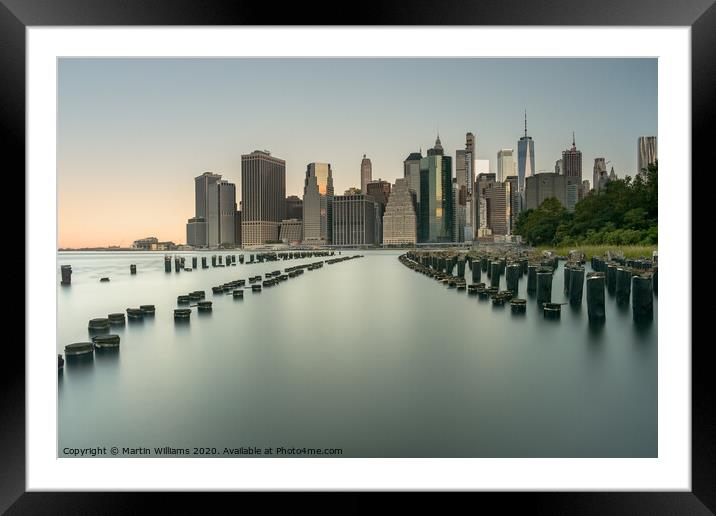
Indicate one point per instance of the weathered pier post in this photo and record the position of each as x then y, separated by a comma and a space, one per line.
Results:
567, 273
642, 297
595, 296
213, 260
611, 277
220, 258
524, 263
193, 262
514, 271
66, 271
484, 264
653, 280
576, 285
167, 264
544, 285
495, 268
476, 272
132, 269
177, 264
531, 279
623, 284
461, 268
203, 263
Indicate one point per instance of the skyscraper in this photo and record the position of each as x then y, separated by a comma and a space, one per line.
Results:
647, 152
354, 220
505, 164
366, 173
317, 196
525, 157
379, 190
399, 220
204, 185
600, 168
572, 159
226, 208
436, 202
411, 173
493, 204
513, 202
263, 197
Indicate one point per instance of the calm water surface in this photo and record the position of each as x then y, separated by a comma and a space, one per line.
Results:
364, 355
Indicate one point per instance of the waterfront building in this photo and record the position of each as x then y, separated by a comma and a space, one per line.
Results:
196, 232
543, 186
145, 244
525, 157
400, 219
294, 207
436, 201
354, 220
317, 207
290, 231
263, 197
646, 152
366, 173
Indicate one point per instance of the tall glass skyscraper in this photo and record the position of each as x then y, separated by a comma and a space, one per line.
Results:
317, 197
436, 199
525, 158
366, 173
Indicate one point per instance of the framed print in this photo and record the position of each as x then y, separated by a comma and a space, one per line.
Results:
389, 252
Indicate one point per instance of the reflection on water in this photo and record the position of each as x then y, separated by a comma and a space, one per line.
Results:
363, 355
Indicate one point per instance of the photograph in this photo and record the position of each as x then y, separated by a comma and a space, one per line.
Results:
357, 257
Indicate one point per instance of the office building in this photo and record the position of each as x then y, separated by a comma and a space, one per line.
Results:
226, 211
379, 190
294, 207
206, 209
646, 152
366, 173
505, 164
559, 167
317, 196
543, 186
599, 170
572, 160
513, 201
400, 218
290, 231
196, 232
354, 220
525, 158
237, 227
263, 197
436, 202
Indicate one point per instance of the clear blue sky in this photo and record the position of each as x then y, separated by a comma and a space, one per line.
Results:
133, 133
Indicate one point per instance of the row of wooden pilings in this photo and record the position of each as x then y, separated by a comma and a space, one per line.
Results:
624, 278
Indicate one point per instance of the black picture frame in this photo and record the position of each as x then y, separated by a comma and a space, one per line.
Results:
700, 15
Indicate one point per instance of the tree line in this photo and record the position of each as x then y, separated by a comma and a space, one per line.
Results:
623, 212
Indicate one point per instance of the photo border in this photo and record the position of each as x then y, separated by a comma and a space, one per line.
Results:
700, 15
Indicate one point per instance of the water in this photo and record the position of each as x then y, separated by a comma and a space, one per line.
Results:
364, 355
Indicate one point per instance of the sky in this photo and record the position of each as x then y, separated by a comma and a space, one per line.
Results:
132, 133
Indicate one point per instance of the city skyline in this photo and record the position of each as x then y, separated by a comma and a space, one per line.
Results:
137, 131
